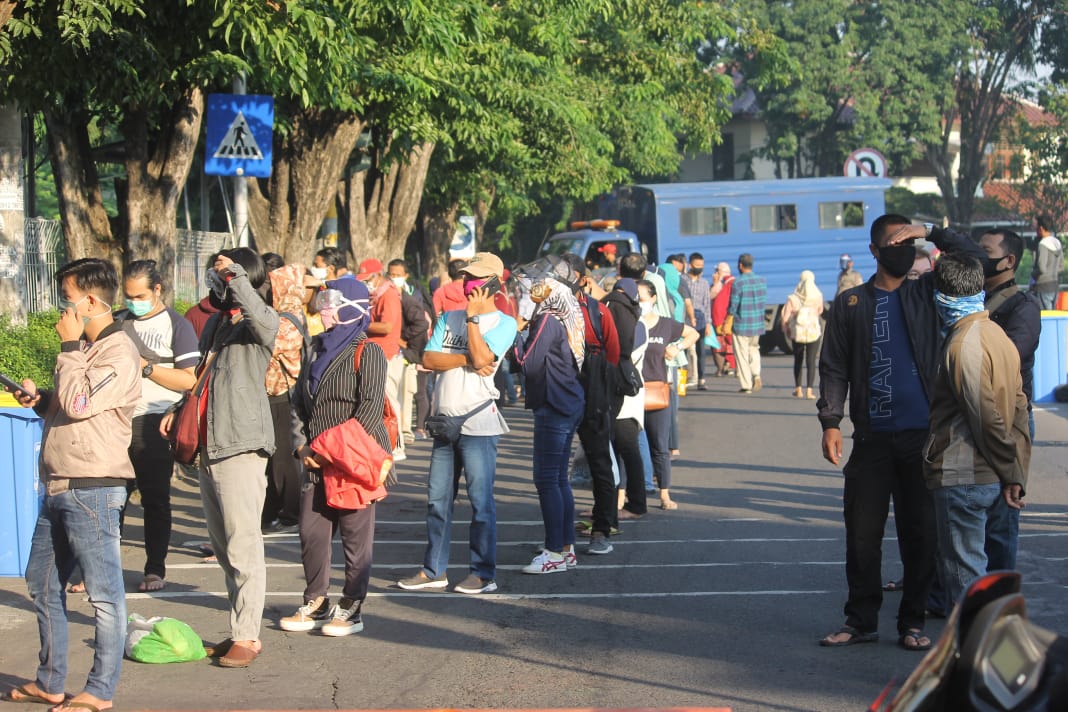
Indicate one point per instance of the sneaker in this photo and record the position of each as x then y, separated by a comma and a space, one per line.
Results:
599, 545
399, 455
344, 619
421, 581
570, 560
757, 385
312, 615
547, 562
474, 584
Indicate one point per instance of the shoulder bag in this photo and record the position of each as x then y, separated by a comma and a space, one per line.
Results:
657, 395
185, 430
447, 428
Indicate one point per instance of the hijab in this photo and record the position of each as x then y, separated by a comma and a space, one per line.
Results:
331, 344
807, 291
671, 281
562, 304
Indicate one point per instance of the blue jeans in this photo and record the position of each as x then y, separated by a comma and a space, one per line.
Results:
79, 527
647, 458
553, 432
965, 516
476, 457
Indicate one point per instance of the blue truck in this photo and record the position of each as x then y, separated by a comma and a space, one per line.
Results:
787, 225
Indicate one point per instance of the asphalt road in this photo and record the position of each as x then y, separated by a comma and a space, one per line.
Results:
718, 604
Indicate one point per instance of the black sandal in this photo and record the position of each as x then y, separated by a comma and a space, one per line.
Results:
855, 636
916, 636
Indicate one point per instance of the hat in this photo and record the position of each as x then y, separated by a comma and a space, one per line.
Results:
607, 247
369, 267
484, 264
845, 258
628, 286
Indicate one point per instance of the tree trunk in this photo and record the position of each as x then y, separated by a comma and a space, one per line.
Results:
382, 203
286, 210
86, 229
156, 170
439, 224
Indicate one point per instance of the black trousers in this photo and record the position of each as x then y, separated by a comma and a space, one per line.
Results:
881, 468
284, 472
625, 441
596, 438
318, 523
153, 466
806, 354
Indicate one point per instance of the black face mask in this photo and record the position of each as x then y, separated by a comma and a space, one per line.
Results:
897, 260
990, 266
696, 272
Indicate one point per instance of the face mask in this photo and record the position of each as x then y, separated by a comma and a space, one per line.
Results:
139, 308
843, 264
215, 284
647, 308
897, 260
330, 301
370, 286
319, 273
400, 283
65, 304
990, 266
470, 285
696, 271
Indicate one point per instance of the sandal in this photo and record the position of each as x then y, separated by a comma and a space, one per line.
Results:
855, 636
669, 504
894, 586
152, 582
914, 639
27, 697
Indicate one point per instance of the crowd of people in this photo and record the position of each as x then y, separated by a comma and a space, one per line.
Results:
300, 387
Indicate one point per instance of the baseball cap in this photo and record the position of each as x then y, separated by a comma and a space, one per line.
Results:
369, 267
608, 247
484, 264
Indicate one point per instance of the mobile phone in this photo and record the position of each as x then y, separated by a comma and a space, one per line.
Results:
10, 383
491, 285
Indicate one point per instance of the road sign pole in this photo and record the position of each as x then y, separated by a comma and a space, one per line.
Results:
241, 234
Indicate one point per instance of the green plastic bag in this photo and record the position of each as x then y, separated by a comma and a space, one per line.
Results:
162, 640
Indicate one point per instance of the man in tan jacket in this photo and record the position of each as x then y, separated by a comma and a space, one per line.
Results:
978, 449
84, 467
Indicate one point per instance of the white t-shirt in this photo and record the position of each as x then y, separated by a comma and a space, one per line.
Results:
461, 390
174, 341
634, 406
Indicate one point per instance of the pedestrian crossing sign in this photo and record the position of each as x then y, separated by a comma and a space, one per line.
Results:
239, 130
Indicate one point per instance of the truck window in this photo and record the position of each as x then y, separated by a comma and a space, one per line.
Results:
837, 215
773, 218
703, 221
560, 247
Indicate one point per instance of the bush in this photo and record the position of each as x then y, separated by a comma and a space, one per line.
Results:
30, 351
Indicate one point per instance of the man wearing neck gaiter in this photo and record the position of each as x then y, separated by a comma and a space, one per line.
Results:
881, 347
978, 450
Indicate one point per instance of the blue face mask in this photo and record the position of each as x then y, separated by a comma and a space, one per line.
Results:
139, 308
953, 309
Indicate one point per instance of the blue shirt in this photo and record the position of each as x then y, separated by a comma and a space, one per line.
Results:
897, 400
552, 376
748, 294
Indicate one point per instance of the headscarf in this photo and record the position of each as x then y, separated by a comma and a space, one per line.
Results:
807, 291
330, 344
562, 304
953, 309
671, 281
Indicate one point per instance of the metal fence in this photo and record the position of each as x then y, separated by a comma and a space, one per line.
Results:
45, 253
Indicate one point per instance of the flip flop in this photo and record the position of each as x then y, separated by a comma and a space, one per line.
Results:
916, 636
73, 705
855, 636
151, 583
894, 586
28, 697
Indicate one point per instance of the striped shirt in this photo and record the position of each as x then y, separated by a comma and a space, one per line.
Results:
748, 295
346, 393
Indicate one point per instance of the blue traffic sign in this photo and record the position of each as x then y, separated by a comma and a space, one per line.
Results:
239, 135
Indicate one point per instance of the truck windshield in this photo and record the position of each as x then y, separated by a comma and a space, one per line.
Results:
561, 246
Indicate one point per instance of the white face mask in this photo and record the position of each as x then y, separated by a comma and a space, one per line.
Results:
318, 272
400, 283
647, 308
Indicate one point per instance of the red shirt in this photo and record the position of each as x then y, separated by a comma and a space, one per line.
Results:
387, 309
450, 297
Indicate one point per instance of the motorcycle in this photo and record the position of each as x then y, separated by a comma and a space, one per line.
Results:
989, 657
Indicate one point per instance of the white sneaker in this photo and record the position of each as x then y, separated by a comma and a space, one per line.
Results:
570, 560
344, 620
547, 562
399, 455
312, 615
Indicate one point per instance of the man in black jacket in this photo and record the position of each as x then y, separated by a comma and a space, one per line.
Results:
881, 347
1019, 315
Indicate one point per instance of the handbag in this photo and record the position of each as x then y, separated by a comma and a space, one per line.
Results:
447, 428
657, 395
185, 431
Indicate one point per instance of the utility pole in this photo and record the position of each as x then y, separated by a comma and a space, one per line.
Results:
12, 215
241, 234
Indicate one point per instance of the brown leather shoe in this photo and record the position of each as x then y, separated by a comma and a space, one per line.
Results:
241, 655
219, 649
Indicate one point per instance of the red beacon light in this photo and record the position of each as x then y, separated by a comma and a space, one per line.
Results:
595, 224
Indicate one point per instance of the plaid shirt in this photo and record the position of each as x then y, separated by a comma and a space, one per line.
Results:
747, 304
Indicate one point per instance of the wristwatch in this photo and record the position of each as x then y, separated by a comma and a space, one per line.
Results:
927, 227
147, 370
472, 319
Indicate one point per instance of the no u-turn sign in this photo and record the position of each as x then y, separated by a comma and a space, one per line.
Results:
865, 163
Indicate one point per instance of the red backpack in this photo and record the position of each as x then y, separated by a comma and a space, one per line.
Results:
389, 417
